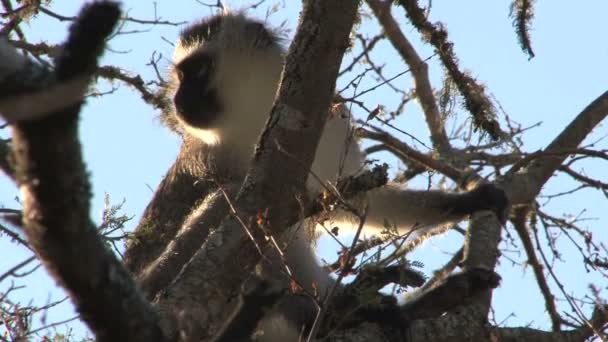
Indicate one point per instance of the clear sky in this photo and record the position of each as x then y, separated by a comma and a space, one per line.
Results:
128, 151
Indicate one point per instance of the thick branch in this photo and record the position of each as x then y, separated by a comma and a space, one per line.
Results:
540, 170
55, 190
481, 241
278, 173
453, 291
466, 323
480, 253
481, 250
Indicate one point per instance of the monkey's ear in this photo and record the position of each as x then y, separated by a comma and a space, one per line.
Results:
262, 37
255, 27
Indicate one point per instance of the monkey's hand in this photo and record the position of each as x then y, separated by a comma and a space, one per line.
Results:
490, 197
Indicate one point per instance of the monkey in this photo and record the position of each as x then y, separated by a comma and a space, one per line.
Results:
222, 83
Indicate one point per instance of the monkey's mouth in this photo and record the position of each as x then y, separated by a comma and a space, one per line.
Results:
196, 109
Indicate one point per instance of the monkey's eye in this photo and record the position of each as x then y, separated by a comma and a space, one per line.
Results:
202, 72
195, 68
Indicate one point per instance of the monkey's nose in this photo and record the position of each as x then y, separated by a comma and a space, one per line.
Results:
196, 108
184, 101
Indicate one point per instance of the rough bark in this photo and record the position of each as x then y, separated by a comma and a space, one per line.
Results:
54, 186
203, 292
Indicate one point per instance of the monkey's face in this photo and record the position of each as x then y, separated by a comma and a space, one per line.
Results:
196, 98
225, 77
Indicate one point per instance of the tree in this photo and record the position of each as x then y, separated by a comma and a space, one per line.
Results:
179, 281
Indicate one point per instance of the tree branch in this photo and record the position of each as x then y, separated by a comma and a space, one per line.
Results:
55, 190
519, 222
475, 99
529, 183
451, 292
424, 90
598, 321
215, 273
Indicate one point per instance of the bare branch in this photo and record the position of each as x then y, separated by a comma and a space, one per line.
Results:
519, 222
399, 148
523, 334
571, 137
136, 82
424, 90
11, 271
475, 99
584, 179
14, 236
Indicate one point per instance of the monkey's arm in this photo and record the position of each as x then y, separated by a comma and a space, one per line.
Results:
412, 209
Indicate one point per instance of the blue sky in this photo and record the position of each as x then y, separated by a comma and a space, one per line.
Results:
128, 151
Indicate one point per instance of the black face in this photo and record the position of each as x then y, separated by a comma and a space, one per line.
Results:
196, 101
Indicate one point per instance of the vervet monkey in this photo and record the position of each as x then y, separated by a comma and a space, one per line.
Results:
224, 78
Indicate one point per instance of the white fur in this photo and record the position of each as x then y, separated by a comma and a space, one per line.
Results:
183, 50
242, 72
